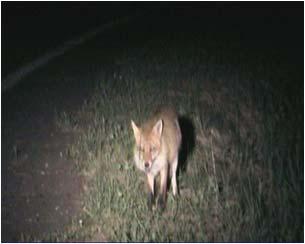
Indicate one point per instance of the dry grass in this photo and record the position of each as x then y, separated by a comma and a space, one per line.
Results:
242, 173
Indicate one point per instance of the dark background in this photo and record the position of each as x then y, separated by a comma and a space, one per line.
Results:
29, 29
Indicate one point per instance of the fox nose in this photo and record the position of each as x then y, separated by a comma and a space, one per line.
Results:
146, 164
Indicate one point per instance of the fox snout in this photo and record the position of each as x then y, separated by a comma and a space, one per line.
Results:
147, 161
146, 164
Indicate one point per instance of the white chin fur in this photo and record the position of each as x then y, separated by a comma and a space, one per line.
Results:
155, 167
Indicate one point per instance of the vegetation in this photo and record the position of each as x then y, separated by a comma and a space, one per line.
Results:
241, 164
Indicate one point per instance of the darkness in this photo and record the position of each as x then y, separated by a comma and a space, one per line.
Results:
30, 29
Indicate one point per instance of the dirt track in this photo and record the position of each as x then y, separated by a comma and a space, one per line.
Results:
40, 190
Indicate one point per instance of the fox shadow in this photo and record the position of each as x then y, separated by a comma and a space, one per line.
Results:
188, 143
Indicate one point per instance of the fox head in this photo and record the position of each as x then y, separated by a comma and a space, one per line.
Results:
148, 144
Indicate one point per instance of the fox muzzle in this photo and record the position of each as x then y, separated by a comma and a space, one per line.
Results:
146, 164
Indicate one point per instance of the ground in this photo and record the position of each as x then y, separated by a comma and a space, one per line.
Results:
41, 191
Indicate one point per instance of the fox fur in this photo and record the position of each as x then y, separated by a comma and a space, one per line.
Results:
156, 150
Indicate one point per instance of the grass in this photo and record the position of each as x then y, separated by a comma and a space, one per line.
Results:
241, 175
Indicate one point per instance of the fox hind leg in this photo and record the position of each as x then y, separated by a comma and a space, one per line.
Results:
173, 175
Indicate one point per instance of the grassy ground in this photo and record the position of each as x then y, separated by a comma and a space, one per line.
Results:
241, 164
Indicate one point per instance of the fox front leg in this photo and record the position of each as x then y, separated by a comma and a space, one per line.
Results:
150, 195
162, 195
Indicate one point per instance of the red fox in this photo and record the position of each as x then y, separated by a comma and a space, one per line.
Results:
157, 144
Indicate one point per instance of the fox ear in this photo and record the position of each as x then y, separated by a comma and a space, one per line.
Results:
158, 128
136, 132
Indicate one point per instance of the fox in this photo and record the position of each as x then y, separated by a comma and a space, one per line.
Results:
156, 149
